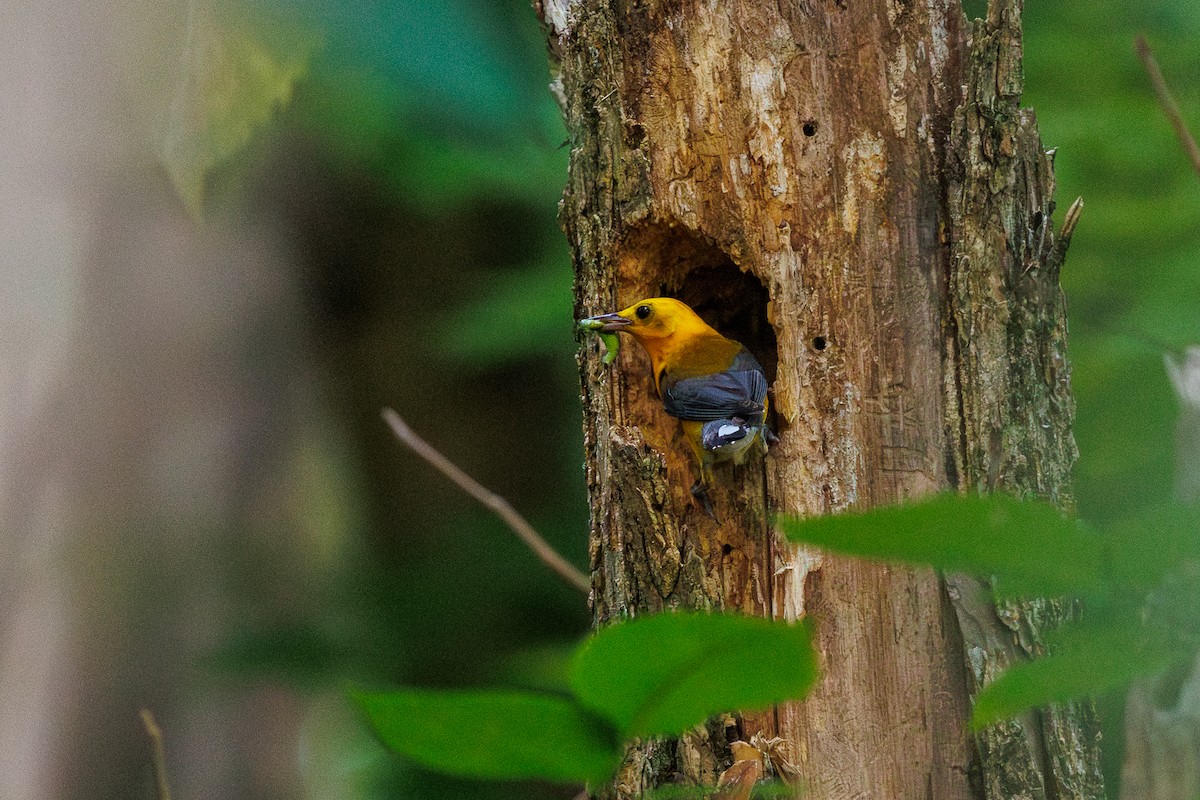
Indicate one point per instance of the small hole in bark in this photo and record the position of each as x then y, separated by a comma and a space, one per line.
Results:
1037, 220
726, 549
637, 134
819, 343
734, 730
809, 128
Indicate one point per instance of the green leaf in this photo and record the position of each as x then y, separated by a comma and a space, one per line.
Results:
302, 655
231, 83
367, 124
667, 673
468, 62
542, 667
1146, 548
1086, 660
1030, 547
526, 313
493, 734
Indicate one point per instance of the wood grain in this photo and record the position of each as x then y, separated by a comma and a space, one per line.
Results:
788, 169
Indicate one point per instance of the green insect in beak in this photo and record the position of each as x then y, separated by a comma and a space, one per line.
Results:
605, 328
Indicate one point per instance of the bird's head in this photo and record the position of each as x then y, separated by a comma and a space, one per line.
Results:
656, 318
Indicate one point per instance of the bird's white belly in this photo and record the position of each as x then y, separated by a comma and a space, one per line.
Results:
736, 450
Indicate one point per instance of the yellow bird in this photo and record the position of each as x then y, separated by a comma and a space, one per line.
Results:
709, 382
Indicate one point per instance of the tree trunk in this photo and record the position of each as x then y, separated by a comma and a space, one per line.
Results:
851, 191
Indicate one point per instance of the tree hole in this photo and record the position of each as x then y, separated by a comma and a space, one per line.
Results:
669, 261
726, 549
809, 127
818, 343
735, 303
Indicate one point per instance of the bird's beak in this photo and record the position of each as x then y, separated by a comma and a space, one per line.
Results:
605, 323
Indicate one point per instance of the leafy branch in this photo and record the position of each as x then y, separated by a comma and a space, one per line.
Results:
656, 675
1137, 572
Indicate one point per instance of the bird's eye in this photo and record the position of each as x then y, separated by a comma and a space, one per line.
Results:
642, 312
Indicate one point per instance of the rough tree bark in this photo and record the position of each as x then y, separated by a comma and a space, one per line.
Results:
852, 191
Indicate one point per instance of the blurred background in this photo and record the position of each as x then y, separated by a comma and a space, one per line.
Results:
233, 230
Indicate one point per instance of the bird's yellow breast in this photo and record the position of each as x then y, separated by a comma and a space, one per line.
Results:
692, 356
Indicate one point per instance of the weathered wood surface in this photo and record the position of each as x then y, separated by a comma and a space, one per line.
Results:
1008, 391
793, 172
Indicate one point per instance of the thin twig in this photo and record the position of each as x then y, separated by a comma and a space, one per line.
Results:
157, 757
501, 507
1167, 101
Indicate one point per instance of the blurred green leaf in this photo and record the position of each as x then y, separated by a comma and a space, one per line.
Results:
666, 673
1086, 660
1124, 425
465, 61
544, 668
496, 735
299, 655
1159, 540
443, 103
377, 127
1030, 547
1132, 268
232, 81
527, 313
975, 9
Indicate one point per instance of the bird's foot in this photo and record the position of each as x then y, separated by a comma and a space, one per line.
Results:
700, 492
770, 436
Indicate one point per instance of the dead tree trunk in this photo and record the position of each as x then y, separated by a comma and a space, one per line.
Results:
851, 190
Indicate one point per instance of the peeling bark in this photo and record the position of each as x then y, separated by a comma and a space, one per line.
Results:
1009, 394
817, 181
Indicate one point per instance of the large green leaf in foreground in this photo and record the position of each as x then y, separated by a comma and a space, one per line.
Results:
666, 673
1030, 547
661, 674
1087, 660
493, 734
